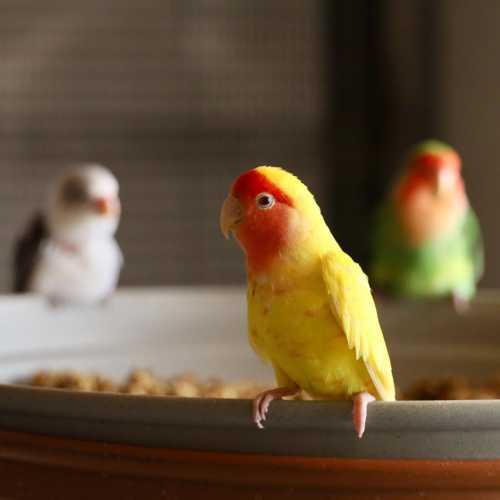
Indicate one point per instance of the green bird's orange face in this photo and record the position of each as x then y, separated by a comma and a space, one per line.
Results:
438, 174
262, 217
431, 196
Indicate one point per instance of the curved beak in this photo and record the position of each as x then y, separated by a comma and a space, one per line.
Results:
102, 205
231, 214
444, 181
107, 206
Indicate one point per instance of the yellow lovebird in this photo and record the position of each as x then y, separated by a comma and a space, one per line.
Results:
310, 309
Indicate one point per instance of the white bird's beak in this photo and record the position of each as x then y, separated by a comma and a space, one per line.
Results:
107, 206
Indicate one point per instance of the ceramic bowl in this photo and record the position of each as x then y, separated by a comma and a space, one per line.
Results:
307, 446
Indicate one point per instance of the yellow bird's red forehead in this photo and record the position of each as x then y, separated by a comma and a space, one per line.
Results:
253, 182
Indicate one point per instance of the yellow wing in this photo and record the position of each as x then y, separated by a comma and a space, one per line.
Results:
353, 307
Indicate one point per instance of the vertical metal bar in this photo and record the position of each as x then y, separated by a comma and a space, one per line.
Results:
374, 116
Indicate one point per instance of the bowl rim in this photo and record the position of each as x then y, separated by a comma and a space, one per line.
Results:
462, 429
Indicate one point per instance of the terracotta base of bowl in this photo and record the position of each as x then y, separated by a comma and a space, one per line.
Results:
39, 467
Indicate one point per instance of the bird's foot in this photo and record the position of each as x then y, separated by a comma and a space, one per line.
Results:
104, 302
460, 303
263, 400
359, 411
56, 302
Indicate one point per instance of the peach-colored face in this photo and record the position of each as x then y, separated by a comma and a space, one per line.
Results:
258, 213
431, 198
439, 174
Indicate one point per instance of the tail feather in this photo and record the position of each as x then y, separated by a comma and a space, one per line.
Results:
26, 252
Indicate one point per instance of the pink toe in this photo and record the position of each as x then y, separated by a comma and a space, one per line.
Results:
360, 410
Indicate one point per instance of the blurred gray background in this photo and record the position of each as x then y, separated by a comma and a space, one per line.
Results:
178, 97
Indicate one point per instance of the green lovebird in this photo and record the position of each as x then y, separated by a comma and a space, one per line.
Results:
427, 241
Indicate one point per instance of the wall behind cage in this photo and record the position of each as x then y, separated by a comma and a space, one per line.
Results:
176, 98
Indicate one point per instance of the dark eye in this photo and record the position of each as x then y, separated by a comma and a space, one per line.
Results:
264, 201
74, 191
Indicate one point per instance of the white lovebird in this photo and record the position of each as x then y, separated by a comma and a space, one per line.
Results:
69, 254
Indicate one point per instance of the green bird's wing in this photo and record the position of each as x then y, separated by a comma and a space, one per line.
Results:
475, 248
453, 263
